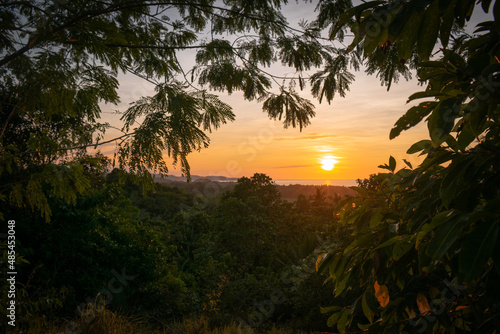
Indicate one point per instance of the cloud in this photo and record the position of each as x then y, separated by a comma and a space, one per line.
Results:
313, 136
293, 166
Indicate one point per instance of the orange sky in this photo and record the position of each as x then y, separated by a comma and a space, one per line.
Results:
355, 130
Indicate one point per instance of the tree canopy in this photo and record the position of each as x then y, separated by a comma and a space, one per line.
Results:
428, 233
59, 62
423, 252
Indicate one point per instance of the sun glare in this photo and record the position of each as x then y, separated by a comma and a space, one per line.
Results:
328, 162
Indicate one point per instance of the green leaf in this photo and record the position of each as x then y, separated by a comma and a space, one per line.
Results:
445, 237
412, 117
447, 20
477, 249
427, 93
442, 119
402, 247
332, 320
453, 180
342, 322
436, 221
392, 163
408, 37
466, 136
329, 309
424, 145
366, 309
408, 163
389, 242
429, 30
340, 285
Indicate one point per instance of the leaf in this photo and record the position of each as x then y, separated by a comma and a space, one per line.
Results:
332, 320
402, 247
382, 294
342, 322
329, 309
453, 180
392, 163
423, 304
445, 237
447, 20
436, 221
442, 119
408, 37
325, 261
340, 286
428, 33
427, 93
366, 309
424, 145
389, 242
412, 117
477, 249
408, 163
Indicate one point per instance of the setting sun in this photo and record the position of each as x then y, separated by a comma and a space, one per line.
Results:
328, 162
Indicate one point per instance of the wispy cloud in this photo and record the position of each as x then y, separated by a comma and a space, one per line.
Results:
293, 166
313, 136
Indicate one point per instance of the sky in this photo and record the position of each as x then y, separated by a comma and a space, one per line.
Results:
351, 133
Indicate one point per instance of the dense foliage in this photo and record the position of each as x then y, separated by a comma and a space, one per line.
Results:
423, 256
416, 251
249, 260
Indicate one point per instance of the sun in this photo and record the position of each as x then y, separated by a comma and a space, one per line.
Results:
328, 162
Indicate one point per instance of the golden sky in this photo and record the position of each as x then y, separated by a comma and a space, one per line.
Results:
353, 130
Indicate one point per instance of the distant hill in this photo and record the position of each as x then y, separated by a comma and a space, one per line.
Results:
292, 192
215, 186
173, 178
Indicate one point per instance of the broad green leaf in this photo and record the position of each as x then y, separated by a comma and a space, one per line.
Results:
422, 145
389, 242
436, 221
427, 93
332, 320
402, 247
342, 322
428, 33
392, 163
453, 180
366, 309
412, 117
477, 109
329, 309
408, 37
375, 219
466, 136
408, 163
447, 20
463, 11
340, 285
445, 237
442, 119
477, 248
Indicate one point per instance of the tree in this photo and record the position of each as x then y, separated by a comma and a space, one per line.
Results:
59, 61
424, 252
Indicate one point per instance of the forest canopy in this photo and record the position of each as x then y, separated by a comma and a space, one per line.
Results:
410, 237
